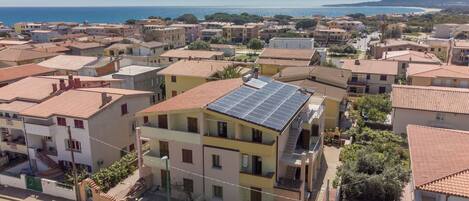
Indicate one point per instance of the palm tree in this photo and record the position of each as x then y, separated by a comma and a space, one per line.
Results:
230, 72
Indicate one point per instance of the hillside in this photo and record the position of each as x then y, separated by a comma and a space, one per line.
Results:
413, 3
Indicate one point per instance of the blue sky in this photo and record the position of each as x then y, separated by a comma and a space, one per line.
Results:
257, 3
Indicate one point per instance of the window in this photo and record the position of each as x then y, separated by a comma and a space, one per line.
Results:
218, 192
174, 93
145, 119
186, 156
61, 121
73, 145
124, 110
192, 125
188, 185
382, 90
256, 135
383, 77
440, 116
216, 161
222, 129
368, 76
173, 78
78, 124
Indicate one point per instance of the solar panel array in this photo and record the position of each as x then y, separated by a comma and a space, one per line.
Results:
272, 105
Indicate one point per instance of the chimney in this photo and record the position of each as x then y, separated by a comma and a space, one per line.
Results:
54, 87
357, 62
105, 99
62, 84
71, 83
77, 83
255, 73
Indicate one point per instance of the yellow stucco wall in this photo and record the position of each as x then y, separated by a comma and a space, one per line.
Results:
270, 70
182, 84
421, 81
332, 113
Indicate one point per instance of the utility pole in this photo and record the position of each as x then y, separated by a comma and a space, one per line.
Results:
74, 168
168, 194
139, 151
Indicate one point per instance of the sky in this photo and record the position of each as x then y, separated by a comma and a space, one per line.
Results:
257, 3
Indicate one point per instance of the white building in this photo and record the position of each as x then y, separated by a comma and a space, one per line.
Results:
447, 31
43, 36
291, 43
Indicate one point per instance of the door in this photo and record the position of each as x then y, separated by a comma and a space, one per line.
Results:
256, 165
305, 134
222, 129
33, 183
163, 121
256, 135
256, 194
192, 125
164, 149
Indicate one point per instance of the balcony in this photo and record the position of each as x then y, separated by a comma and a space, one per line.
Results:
264, 180
154, 160
290, 184
357, 82
13, 146
11, 123
153, 132
39, 127
253, 148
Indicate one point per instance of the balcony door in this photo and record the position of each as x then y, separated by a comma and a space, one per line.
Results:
192, 125
164, 149
163, 121
256, 165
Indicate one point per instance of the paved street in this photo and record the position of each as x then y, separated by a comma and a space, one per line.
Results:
331, 154
15, 194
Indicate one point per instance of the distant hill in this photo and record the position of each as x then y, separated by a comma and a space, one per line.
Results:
412, 3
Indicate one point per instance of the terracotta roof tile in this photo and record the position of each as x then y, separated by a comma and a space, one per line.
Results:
413, 56
321, 89
299, 54
16, 106
439, 159
283, 62
196, 54
68, 62
31, 89
19, 72
15, 55
195, 98
193, 68
438, 99
446, 71
372, 67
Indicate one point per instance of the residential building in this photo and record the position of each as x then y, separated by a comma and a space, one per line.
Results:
118, 49
175, 37
326, 37
273, 60
371, 76
330, 83
7, 43
447, 31
291, 43
192, 31
142, 78
346, 25
172, 56
273, 31
227, 132
27, 27
215, 25
149, 49
378, 50
105, 30
99, 119
460, 52
187, 74
407, 57
12, 74
16, 57
439, 47
438, 75
89, 82
43, 36
240, 33
228, 50
82, 65
207, 34
439, 167
442, 107
86, 49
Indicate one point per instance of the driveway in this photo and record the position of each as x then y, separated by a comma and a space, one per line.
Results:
331, 155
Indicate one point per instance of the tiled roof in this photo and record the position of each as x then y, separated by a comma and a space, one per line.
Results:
372, 67
428, 98
441, 71
83, 78
195, 98
283, 62
196, 54
333, 76
299, 54
439, 159
127, 92
68, 62
193, 68
321, 89
392, 42
83, 46
153, 44
16, 106
15, 55
31, 89
56, 49
18, 72
415, 68
413, 56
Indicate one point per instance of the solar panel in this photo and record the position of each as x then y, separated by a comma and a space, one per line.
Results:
263, 101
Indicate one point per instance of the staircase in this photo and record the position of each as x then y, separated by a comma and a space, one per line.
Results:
293, 135
54, 168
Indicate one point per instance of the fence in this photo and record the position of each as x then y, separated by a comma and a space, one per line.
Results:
47, 186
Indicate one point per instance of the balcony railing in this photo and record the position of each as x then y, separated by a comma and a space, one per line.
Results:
291, 184
154, 160
249, 179
357, 82
150, 131
42, 128
264, 149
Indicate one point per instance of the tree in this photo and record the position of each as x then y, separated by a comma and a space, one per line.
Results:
130, 21
188, 19
218, 40
306, 24
199, 45
356, 15
230, 72
255, 44
373, 107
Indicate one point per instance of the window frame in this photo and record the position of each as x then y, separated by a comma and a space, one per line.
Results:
383, 76
217, 191
80, 124
173, 79
76, 145
185, 154
216, 161
60, 123
190, 183
124, 109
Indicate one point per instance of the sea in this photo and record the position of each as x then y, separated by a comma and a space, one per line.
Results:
11, 15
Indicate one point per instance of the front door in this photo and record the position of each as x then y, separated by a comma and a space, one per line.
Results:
163, 121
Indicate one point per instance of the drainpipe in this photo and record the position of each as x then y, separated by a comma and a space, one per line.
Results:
139, 151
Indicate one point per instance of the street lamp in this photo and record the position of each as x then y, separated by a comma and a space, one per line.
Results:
166, 159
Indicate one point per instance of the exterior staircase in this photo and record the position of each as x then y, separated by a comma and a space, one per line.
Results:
54, 168
293, 135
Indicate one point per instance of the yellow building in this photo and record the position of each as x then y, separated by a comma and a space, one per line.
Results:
438, 75
172, 56
272, 60
187, 74
263, 135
